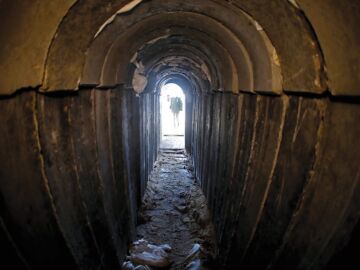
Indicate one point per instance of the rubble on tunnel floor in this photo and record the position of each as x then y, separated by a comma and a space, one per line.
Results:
174, 212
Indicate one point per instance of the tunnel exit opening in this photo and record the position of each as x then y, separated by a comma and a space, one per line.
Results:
172, 113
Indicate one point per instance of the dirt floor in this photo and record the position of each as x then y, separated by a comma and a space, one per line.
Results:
174, 211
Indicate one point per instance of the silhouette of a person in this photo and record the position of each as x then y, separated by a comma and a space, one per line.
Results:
176, 108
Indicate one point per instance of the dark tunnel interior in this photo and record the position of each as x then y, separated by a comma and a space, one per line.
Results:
271, 127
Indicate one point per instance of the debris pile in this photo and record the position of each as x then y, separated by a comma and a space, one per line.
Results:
174, 211
146, 256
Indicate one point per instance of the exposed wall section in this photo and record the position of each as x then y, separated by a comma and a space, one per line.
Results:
297, 47
75, 168
149, 134
26, 31
330, 200
280, 175
67, 51
336, 25
29, 216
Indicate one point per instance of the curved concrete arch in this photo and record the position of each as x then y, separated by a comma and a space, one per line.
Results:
120, 66
280, 173
26, 39
197, 84
232, 47
185, 63
178, 79
212, 47
285, 25
290, 33
250, 37
335, 25
190, 58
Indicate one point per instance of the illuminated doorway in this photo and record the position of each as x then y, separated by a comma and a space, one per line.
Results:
172, 104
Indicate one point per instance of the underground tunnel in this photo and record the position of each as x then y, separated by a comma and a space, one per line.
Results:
271, 128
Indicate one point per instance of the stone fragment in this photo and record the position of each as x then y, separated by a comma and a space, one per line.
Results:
142, 267
194, 252
194, 265
127, 266
143, 253
181, 208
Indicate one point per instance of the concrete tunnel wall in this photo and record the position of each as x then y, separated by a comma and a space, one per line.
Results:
278, 176
273, 129
73, 178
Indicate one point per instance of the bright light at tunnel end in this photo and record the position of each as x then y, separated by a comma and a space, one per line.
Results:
172, 121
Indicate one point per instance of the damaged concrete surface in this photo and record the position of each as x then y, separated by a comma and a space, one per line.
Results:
174, 210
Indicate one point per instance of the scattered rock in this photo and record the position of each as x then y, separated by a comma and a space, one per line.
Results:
186, 219
194, 252
195, 265
127, 266
142, 267
143, 253
181, 208
172, 210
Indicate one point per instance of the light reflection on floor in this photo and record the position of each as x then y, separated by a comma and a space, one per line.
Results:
173, 142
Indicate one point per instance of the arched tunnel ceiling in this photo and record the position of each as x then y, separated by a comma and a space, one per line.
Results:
185, 37
236, 32
45, 44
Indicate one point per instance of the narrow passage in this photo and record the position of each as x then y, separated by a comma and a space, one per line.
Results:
174, 211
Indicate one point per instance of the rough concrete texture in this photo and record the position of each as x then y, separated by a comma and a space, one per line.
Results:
77, 30
53, 26
174, 210
297, 47
302, 74
27, 29
280, 173
276, 174
340, 45
79, 204
248, 49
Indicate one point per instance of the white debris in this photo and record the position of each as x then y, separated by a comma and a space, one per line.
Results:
127, 266
128, 7
142, 267
258, 26
194, 265
139, 80
194, 252
143, 253
294, 3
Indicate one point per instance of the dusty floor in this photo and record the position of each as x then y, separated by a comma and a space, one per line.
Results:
174, 210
